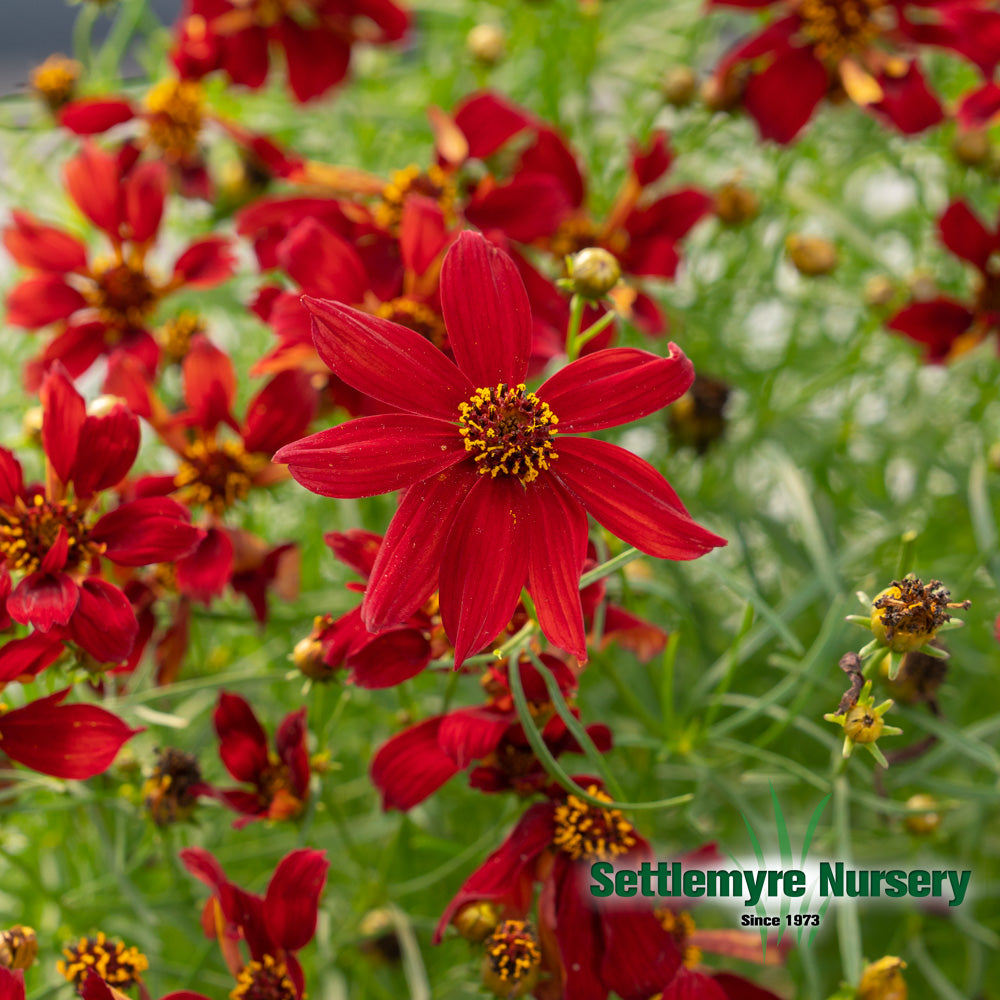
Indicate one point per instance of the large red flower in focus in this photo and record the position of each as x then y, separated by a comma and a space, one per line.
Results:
497, 483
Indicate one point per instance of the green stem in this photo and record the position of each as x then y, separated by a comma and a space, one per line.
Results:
848, 925
607, 568
576, 307
592, 331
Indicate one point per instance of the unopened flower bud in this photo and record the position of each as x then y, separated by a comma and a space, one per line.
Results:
811, 255
971, 147
735, 205
879, 291
18, 947
512, 961
308, 657
922, 286
55, 81
593, 272
883, 980
923, 817
486, 43
680, 84
476, 921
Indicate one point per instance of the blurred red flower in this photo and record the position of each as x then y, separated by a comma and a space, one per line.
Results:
493, 499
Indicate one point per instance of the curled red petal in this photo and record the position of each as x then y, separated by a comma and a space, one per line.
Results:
372, 455
484, 564
108, 445
148, 530
290, 742
389, 658
11, 477
291, 903
44, 600
63, 415
205, 263
411, 766
29, 656
486, 312
104, 623
614, 387
631, 499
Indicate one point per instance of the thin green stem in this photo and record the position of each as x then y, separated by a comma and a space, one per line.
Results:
576, 307
609, 567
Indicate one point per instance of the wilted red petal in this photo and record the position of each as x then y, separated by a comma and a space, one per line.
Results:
242, 740
323, 263
614, 387
389, 658
411, 766
291, 903
108, 446
965, 236
407, 567
204, 573
484, 564
44, 600
783, 97
33, 244
557, 550
486, 312
40, 300
103, 623
92, 179
148, 530
66, 741
63, 416
93, 115
206, 262
631, 499
387, 361
316, 59
145, 190
372, 455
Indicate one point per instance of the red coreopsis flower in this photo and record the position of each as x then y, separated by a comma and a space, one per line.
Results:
947, 327
594, 948
274, 926
66, 741
866, 49
280, 777
418, 761
498, 483
315, 36
53, 537
95, 988
102, 304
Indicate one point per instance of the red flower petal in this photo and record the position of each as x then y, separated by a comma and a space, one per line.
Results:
935, 324
317, 59
206, 262
978, 108
292, 900
104, 623
423, 233
783, 98
550, 155
411, 766
33, 244
40, 300
11, 984
407, 567
738, 988
108, 446
526, 208
92, 179
614, 387
689, 984
11, 477
486, 312
63, 417
649, 164
965, 236
290, 742
387, 361
66, 741
372, 455
145, 190
557, 550
204, 573
148, 530
242, 740
639, 956
472, 733
280, 412
908, 102
323, 262
43, 600
389, 658
355, 548
631, 499
488, 121
209, 384
672, 216
93, 115
484, 564
29, 656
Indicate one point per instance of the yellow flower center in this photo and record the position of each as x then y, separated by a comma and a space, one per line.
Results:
590, 833
123, 293
414, 316
176, 110
174, 337
55, 80
512, 961
117, 965
837, 28
28, 531
215, 476
432, 183
18, 947
680, 926
508, 429
267, 980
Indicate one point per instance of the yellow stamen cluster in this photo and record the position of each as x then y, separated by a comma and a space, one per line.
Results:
216, 476
28, 531
432, 183
123, 293
414, 316
267, 980
589, 832
837, 28
117, 965
680, 927
508, 429
18, 947
573, 235
176, 111
174, 337
513, 959
55, 80
167, 792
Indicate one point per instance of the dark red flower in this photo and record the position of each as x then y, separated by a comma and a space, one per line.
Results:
280, 777
947, 327
95, 988
66, 741
274, 926
103, 304
594, 948
416, 762
494, 499
315, 36
51, 535
865, 49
